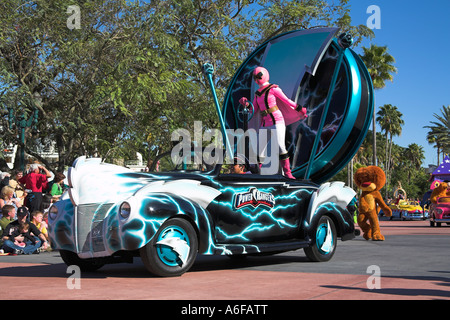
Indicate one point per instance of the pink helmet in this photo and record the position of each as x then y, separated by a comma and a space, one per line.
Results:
261, 75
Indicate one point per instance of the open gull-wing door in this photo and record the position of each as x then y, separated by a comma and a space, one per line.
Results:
302, 63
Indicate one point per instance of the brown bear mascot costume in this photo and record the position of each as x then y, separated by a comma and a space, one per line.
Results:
370, 180
440, 190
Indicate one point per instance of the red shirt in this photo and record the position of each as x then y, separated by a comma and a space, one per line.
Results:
34, 181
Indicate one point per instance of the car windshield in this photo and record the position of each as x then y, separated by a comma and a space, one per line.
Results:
199, 161
196, 162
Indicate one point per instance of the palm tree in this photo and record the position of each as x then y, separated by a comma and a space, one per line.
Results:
397, 157
380, 65
439, 133
391, 122
415, 155
432, 138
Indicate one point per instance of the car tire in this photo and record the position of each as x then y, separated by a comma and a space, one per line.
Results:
323, 243
71, 258
167, 261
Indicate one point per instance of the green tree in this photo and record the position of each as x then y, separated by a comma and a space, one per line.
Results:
409, 170
416, 155
365, 152
391, 122
405, 166
133, 72
381, 68
433, 139
91, 83
439, 133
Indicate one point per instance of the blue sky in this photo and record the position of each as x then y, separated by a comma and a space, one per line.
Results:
417, 34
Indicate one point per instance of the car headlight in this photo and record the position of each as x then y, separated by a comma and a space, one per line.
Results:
439, 211
53, 212
124, 210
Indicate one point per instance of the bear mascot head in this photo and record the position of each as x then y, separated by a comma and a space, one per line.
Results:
440, 190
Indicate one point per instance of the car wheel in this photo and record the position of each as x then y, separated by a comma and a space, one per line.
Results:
71, 258
172, 250
323, 243
432, 223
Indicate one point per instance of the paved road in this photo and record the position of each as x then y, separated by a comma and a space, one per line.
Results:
413, 263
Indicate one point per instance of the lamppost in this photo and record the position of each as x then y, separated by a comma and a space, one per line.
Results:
22, 123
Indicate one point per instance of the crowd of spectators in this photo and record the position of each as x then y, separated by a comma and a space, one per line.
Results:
24, 202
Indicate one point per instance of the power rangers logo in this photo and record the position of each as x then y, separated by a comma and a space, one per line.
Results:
253, 197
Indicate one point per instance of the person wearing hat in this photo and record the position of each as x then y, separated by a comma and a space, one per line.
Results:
12, 234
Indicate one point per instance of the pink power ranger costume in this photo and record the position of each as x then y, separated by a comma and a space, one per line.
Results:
275, 108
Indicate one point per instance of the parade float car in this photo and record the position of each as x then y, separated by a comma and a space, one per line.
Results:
112, 214
440, 212
407, 209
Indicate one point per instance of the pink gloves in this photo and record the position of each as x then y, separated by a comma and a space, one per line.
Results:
303, 111
243, 101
